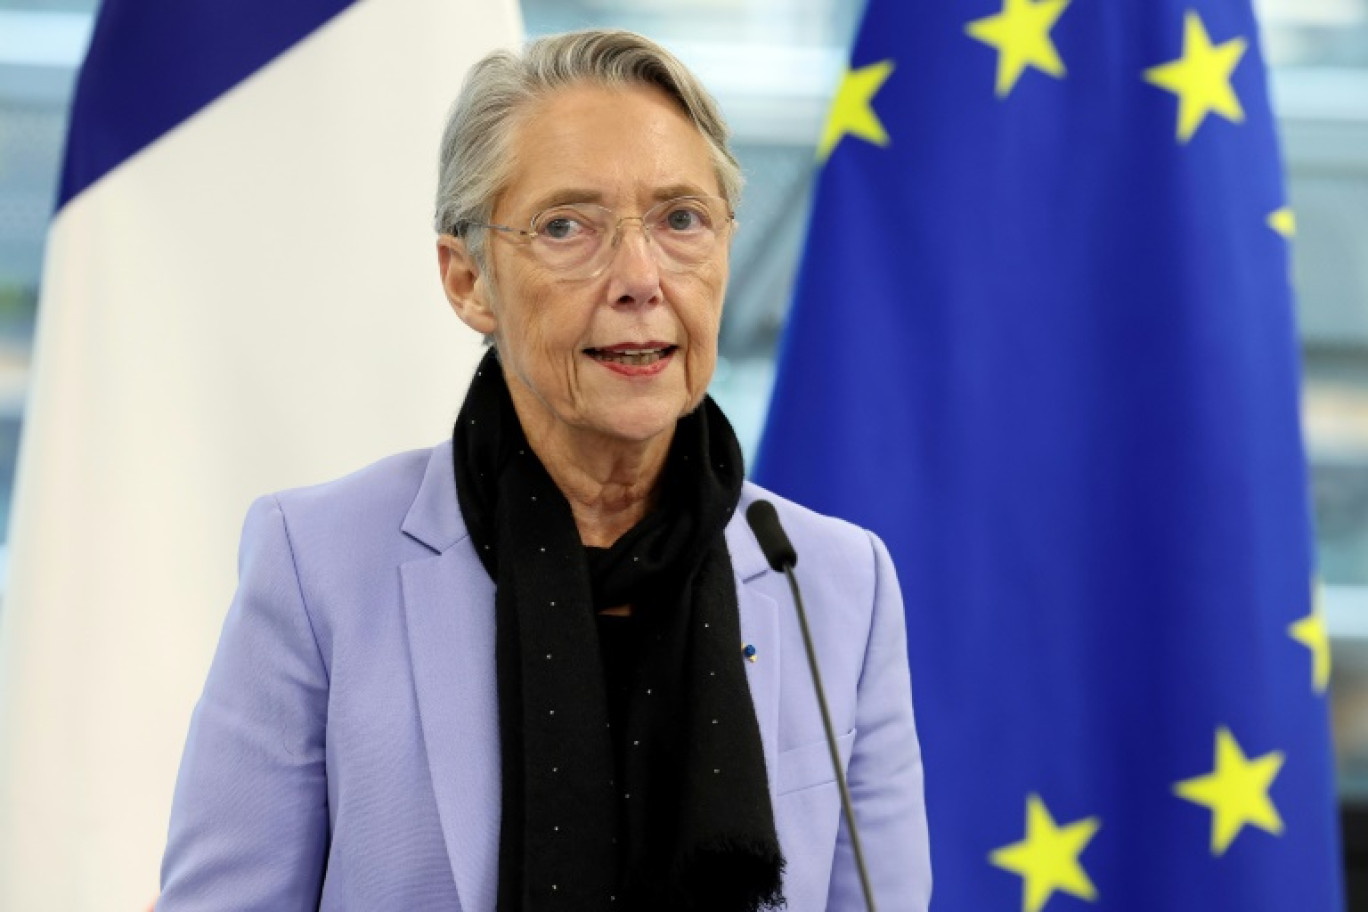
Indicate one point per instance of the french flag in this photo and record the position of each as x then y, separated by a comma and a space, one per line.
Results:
240, 294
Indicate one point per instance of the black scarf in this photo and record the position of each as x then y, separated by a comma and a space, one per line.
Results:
686, 823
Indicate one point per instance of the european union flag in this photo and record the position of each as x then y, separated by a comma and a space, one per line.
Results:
1043, 344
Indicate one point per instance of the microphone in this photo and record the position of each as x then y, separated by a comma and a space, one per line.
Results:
778, 550
764, 522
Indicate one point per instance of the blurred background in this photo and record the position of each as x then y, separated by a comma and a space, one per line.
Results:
773, 65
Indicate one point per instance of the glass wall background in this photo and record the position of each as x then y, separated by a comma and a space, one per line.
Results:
1319, 51
40, 45
773, 65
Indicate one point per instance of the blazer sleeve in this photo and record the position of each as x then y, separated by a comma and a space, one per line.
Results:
885, 771
249, 821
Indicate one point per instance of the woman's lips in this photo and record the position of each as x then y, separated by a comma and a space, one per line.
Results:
634, 360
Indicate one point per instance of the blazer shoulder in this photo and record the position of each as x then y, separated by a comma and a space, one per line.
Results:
835, 557
806, 526
374, 498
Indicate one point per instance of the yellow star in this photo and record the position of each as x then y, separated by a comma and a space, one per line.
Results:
1201, 77
1047, 859
1021, 35
852, 111
1310, 632
1236, 792
1283, 221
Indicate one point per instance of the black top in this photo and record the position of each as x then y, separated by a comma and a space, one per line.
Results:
617, 646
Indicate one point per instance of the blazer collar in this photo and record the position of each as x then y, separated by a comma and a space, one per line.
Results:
748, 561
434, 518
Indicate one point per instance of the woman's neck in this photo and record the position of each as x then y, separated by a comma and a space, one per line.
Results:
610, 483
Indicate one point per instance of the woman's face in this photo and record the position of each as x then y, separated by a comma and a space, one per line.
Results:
561, 341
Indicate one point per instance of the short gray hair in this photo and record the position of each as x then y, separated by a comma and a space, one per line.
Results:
475, 159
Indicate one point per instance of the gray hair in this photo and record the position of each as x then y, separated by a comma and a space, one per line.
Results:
476, 160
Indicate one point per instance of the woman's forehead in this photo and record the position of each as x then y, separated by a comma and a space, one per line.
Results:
607, 145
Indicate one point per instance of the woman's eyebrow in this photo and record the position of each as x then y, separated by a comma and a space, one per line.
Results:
676, 190
566, 196
572, 195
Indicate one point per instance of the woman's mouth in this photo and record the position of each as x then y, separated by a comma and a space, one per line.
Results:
634, 357
644, 360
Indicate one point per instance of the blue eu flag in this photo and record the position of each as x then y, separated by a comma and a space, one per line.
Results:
1043, 343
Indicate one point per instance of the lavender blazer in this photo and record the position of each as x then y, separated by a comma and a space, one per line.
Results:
345, 752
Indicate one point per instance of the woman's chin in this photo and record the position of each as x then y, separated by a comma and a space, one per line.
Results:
640, 422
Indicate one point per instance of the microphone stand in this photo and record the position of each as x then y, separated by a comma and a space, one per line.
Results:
846, 806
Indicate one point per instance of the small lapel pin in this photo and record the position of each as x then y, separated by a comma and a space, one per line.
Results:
749, 652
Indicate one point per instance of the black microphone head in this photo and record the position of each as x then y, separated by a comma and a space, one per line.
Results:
764, 522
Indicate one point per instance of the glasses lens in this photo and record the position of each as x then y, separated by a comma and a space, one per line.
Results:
568, 237
685, 229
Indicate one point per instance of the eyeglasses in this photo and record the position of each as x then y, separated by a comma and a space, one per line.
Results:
579, 240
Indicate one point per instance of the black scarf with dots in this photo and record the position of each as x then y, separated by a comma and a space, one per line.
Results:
672, 814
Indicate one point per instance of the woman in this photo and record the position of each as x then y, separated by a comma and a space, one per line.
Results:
512, 672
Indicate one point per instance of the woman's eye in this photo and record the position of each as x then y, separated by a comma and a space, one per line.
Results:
561, 228
685, 219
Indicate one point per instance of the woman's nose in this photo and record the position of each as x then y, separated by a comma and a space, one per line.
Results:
634, 273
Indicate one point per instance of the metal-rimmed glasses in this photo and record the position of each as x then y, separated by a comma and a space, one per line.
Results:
579, 240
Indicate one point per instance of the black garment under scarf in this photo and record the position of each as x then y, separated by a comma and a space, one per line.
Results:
686, 825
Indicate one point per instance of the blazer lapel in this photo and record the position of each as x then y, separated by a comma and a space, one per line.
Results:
449, 605
759, 628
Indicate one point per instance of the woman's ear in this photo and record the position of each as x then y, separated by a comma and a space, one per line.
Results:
466, 288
